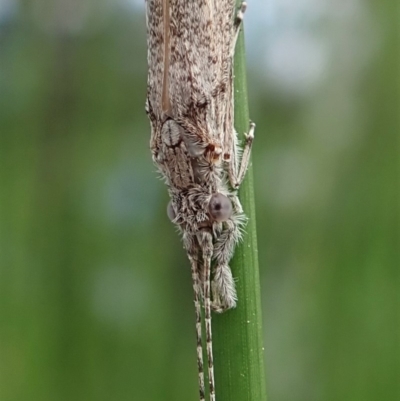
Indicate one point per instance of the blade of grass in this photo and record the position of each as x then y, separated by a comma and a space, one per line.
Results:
238, 349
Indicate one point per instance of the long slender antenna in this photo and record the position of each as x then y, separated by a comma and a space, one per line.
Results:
206, 245
166, 101
197, 305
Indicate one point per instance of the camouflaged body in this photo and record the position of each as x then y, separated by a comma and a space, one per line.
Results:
194, 144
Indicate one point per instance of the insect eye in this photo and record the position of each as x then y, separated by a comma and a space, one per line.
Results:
220, 207
171, 212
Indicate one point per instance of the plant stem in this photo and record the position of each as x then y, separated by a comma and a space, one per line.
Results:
238, 349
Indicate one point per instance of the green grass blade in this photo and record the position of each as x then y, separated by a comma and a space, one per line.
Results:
238, 349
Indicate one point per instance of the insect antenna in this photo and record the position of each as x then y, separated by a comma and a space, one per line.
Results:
166, 101
197, 305
206, 245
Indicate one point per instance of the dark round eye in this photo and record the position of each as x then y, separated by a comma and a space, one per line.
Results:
220, 207
171, 212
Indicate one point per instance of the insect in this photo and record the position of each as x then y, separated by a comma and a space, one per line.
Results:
194, 144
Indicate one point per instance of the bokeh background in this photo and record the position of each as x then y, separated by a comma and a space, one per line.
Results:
95, 290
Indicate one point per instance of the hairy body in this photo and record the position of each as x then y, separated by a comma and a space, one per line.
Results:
194, 143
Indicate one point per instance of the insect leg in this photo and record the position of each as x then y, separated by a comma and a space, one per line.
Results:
206, 245
240, 14
238, 23
237, 178
223, 285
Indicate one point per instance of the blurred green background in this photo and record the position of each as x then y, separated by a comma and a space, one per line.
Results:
95, 288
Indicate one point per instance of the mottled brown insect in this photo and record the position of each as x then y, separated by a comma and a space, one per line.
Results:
194, 143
